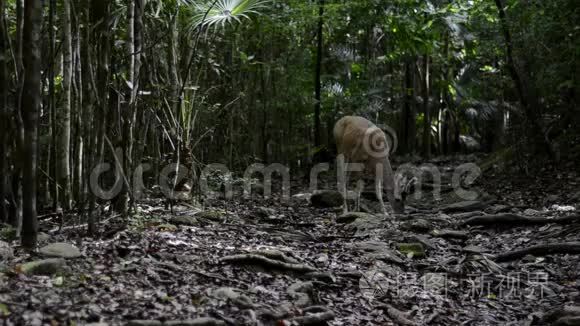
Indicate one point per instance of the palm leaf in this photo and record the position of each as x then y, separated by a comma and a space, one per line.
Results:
221, 12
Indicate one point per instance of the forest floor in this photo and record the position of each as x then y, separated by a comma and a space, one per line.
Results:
267, 262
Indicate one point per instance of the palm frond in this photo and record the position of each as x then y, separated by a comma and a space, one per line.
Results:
221, 12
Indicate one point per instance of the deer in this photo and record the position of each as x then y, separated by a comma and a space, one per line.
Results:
358, 140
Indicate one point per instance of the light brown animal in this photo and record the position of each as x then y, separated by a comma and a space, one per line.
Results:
360, 141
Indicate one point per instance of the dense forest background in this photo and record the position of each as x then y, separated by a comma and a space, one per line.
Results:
238, 82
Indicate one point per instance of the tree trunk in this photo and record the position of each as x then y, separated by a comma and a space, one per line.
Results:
426, 108
31, 100
79, 139
173, 60
317, 77
138, 40
135, 10
101, 12
16, 215
4, 114
51, 187
64, 114
408, 114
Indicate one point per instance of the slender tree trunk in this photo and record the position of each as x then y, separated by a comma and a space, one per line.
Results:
426, 108
4, 114
16, 216
64, 114
318, 73
100, 11
264, 129
138, 39
79, 111
121, 202
408, 115
31, 100
173, 61
131, 40
87, 102
19, 36
135, 10
51, 187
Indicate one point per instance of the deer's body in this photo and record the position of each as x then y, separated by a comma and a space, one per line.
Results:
361, 141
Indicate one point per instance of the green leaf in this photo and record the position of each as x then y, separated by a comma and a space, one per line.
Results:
208, 14
4, 311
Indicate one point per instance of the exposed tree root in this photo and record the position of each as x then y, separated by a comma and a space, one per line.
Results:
541, 250
509, 218
253, 259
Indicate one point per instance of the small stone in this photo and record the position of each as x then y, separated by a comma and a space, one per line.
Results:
183, 220
43, 267
61, 250
412, 250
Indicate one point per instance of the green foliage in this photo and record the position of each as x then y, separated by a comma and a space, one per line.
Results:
219, 13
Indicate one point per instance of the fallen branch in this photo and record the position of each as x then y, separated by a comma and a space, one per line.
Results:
314, 319
252, 259
541, 250
509, 218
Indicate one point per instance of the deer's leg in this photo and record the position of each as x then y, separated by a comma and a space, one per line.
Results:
379, 191
343, 174
357, 200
